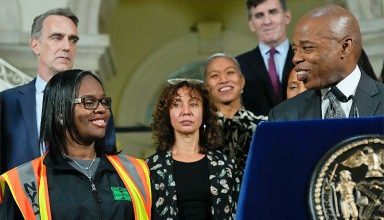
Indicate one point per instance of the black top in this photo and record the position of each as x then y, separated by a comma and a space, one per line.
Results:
224, 179
192, 187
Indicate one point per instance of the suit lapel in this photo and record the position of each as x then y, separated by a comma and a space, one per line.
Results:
258, 66
364, 98
312, 107
27, 103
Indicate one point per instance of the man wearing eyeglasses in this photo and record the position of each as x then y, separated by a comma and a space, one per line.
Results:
54, 37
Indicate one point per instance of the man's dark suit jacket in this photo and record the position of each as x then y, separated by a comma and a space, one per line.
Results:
369, 100
258, 95
18, 137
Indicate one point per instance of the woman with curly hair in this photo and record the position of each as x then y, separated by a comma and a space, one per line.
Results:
190, 178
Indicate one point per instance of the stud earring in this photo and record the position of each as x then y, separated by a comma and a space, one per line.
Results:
60, 119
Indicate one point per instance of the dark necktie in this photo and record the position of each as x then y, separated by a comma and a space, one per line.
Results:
272, 71
334, 110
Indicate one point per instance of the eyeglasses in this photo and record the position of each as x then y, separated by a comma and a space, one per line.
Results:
91, 103
176, 81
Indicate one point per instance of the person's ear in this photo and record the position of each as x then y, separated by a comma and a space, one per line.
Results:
242, 81
35, 46
288, 17
250, 25
347, 47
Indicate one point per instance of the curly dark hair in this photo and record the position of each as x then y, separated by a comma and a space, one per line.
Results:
163, 132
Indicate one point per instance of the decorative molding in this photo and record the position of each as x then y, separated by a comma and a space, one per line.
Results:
370, 14
10, 76
367, 10
10, 18
93, 53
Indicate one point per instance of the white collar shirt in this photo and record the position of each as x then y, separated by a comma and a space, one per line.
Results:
280, 56
348, 87
39, 86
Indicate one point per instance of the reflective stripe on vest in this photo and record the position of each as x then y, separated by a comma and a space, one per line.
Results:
135, 175
30, 192
30, 195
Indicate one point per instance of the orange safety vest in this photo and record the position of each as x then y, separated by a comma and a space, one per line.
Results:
29, 188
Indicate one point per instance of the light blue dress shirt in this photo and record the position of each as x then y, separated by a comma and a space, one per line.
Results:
40, 86
280, 56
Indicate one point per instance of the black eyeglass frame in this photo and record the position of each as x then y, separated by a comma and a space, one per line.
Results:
105, 102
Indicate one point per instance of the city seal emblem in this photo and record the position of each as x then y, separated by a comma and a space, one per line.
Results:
348, 182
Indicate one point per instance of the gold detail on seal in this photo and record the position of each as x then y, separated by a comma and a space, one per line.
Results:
349, 184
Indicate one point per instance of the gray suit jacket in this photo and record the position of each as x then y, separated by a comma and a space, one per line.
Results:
369, 100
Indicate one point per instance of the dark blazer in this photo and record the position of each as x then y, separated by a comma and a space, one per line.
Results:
224, 177
18, 137
369, 100
258, 95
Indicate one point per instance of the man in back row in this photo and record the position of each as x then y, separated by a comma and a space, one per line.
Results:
327, 45
266, 68
54, 37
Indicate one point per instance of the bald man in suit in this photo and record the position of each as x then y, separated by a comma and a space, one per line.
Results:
327, 45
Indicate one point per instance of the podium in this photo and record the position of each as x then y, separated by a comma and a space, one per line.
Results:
282, 158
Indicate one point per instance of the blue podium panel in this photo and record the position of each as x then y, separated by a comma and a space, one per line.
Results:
282, 158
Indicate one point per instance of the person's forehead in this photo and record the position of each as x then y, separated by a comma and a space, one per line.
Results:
222, 60
58, 23
187, 92
310, 28
89, 83
267, 5
57, 19
292, 75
